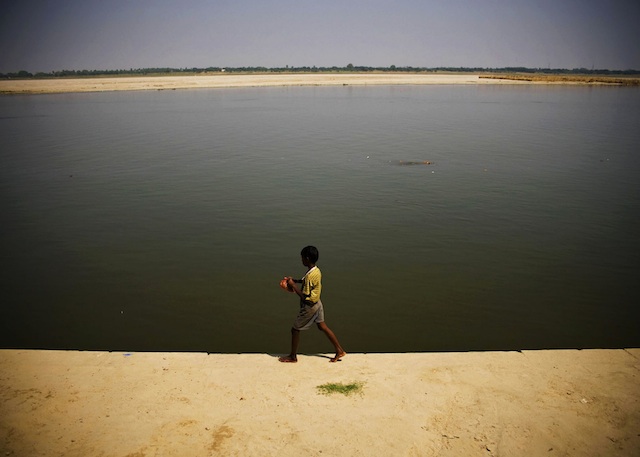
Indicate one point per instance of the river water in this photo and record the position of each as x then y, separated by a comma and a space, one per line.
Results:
164, 220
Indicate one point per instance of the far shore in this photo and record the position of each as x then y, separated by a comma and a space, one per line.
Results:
221, 80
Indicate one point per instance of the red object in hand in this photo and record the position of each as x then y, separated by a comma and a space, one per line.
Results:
284, 283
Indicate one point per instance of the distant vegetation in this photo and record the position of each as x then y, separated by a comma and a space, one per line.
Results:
347, 69
622, 79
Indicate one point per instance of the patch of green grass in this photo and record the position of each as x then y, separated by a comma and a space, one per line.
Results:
340, 388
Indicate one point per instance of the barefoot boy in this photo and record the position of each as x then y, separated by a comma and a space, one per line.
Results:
311, 311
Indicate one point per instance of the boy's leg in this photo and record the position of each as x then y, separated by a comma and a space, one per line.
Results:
340, 353
295, 340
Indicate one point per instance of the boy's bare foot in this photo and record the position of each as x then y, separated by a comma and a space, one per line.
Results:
288, 359
338, 357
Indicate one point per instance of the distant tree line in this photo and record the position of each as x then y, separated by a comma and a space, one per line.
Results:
350, 68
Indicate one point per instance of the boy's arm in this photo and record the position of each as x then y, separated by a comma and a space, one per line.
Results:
292, 283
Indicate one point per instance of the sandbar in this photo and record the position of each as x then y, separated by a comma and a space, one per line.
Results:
528, 403
208, 81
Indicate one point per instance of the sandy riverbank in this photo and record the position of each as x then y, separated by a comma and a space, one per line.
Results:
43, 86
533, 403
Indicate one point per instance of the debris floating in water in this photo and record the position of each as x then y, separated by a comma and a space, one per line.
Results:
413, 162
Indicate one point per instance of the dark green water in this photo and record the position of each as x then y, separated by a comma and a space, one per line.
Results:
164, 220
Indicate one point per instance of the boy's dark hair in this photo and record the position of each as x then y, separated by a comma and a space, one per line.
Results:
310, 253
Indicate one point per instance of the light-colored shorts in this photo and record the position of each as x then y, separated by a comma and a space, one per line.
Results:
308, 316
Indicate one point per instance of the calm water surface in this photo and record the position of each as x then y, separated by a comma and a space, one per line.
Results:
164, 220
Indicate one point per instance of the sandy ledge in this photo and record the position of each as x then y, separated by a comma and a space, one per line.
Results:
531, 403
44, 86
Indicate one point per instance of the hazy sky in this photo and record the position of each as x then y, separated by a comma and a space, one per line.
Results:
39, 35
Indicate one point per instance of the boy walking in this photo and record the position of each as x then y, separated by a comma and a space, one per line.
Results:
311, 310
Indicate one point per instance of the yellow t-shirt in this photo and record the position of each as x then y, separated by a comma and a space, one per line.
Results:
312, 285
